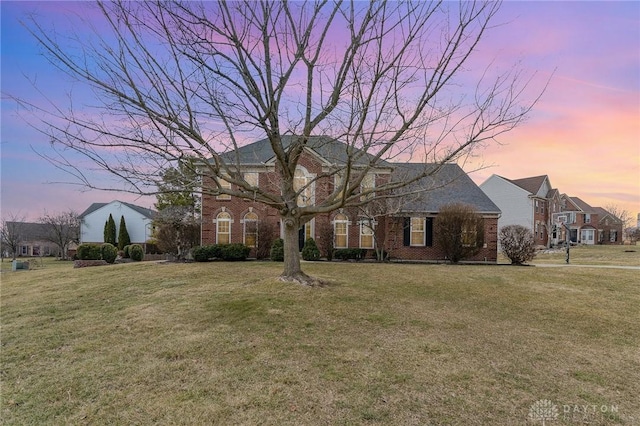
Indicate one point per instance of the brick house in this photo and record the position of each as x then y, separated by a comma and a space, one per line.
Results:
533, 202
404, 227
36, 240
587, 225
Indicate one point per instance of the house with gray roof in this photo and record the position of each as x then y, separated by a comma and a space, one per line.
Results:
138, 221
552, 217
403, 225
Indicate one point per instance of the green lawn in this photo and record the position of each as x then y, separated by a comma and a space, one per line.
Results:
226, 343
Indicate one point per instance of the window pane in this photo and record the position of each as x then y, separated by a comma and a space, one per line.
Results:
250, 229
226, 185
366, 236
417, 231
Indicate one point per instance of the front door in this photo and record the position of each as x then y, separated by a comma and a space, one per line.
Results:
587, 236
301, 235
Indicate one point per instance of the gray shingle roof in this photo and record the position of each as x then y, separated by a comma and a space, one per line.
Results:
530, 184
450, 184
142, 210
260, 152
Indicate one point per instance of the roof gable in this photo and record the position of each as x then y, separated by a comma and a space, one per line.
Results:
602, 214
582, 205
327, 149
533, 184
449, 184
148, 213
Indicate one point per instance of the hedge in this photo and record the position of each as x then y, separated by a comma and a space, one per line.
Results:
89, 252
228, 252
350, 253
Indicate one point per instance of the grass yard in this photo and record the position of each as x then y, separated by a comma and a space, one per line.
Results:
226, 343
594, 255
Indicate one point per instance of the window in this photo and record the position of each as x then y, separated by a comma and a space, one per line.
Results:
418, 231
251, 178
367, 184
613, 236
338, 181
226, 185
223, 228
250, 223
25, 250
340, 231
470, 235
366, 235
536, 206
309, 229
302, 183
587, 218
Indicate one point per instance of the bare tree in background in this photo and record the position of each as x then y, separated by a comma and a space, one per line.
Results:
12, 234
62, 229
197, 80
624, 216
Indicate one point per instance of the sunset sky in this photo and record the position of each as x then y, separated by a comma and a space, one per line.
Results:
584, 133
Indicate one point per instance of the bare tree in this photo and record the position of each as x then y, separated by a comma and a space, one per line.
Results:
197, 80
62, 229
176, 230
12, 234
624, 216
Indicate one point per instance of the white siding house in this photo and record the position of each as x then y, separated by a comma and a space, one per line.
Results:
138, 221
514, 202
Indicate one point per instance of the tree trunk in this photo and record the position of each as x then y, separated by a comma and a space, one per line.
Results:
292, 269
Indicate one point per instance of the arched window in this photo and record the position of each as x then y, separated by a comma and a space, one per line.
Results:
340, 230
250, 223
223, 228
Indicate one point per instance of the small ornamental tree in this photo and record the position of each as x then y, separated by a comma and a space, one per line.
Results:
310, 250
459, 231
110, 231
123, 235
517, 243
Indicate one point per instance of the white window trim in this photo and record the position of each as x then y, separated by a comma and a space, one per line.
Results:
244, 227
230, 220
424, 232
370, 225
347, 222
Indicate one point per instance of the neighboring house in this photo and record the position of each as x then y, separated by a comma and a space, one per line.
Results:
609, 227
404, 228
34, 240
587, 225
527, 202
137, 219
533, 202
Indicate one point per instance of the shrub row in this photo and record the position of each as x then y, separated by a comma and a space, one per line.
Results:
228, 252
108, 252
350, 253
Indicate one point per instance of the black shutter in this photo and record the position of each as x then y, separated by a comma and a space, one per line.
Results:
406, 230
429, 230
